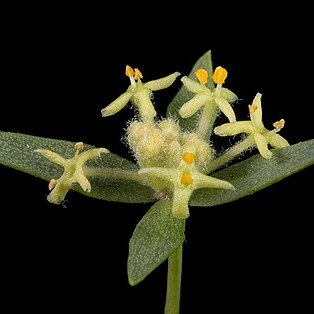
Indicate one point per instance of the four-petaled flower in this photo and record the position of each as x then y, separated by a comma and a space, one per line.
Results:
182, 180
215, 99
140, 94
258, 134
73, 171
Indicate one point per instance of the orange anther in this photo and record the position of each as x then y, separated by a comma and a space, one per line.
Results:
186, 179
220, 75
129, 71
188, 157
202, 75
137, 74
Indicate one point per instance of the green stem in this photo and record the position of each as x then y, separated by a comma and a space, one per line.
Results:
231, 153
174, 282
114, 173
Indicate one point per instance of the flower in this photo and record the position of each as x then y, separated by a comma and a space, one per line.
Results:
140, 94
182, 180
73, 171
256, 130
217, 98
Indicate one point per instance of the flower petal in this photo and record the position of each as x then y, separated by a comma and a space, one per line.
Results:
180, 206
203, 181
162, 82
193, 105
192, 86
234, 128
256, 112
262, 145
52, 156
58, 194
81, 179
226, 108
228, 94
90, 154
278, 141
117, 104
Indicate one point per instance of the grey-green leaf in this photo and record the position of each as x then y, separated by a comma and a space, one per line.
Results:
256, 173
17, 151
183, 95
155, 237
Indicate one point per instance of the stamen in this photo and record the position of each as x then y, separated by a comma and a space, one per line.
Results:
129, 71
186, 179
278, 125
78, 146
202, 75
188, 157
52, 184
253, 108
220, 75
137, 74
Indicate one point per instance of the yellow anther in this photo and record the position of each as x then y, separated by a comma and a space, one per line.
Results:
253, 108
220, 75
278, 125
78, 146
186, 179
52, 184
188, 157
129, 71
137, 74
202, 75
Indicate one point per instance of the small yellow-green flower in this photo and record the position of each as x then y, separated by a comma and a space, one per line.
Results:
140, 94
182, 180
215, 99
256, 130
73, 171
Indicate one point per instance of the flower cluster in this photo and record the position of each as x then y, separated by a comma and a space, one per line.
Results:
173, 161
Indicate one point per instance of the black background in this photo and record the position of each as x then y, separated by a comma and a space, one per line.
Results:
60, 69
